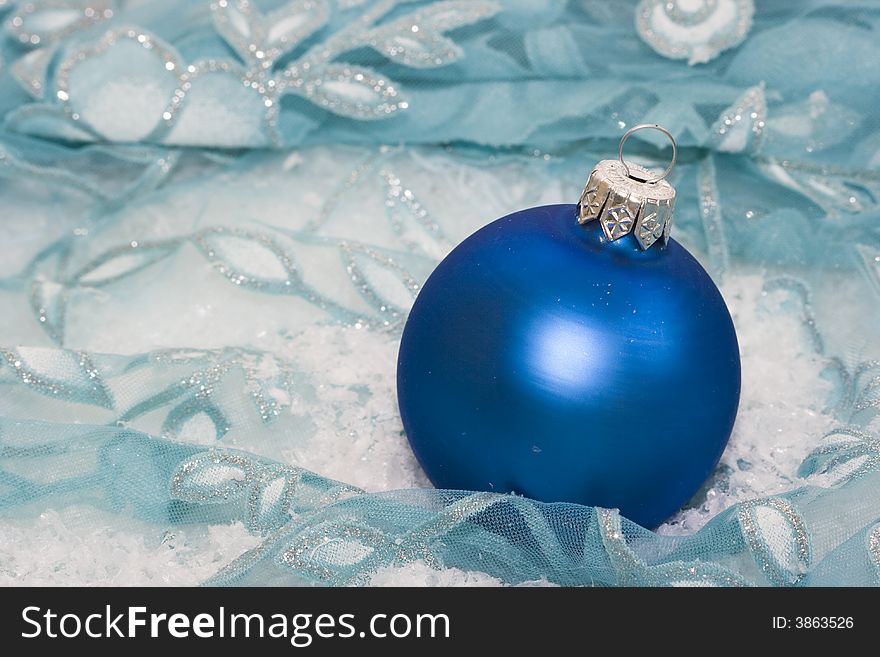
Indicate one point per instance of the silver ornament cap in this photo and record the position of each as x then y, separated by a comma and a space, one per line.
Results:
628, 198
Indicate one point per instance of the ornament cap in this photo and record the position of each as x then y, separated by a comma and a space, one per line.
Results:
628, 198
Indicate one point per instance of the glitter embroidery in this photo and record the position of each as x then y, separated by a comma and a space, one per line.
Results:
259, 262
122, 261
847, 454
48, 302
777, 538
338, 553
267, 495
30, 70
874, 549
61, 374
632, 570
710, 214
38, 22
267, 382
356, 258
695, 30
262, 43
740, 128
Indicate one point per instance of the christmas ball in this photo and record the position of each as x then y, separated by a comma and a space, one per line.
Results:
567, 362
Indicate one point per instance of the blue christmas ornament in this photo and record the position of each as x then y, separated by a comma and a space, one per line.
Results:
573, 353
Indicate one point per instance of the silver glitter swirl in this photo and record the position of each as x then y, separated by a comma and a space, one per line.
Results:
766, 556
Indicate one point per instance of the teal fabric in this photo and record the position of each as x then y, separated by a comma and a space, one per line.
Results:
209, 250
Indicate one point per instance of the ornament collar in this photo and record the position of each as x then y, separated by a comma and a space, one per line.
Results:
628, 198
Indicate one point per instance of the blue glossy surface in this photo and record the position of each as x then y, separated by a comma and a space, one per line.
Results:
541, 359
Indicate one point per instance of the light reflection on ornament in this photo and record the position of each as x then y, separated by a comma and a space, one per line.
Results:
560, 353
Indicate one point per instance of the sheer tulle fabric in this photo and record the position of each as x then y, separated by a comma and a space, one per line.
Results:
216, 219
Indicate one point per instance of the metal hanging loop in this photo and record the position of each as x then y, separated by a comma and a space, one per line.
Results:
647, 126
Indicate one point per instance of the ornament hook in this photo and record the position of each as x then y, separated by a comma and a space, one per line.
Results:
647, 126
628, 198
